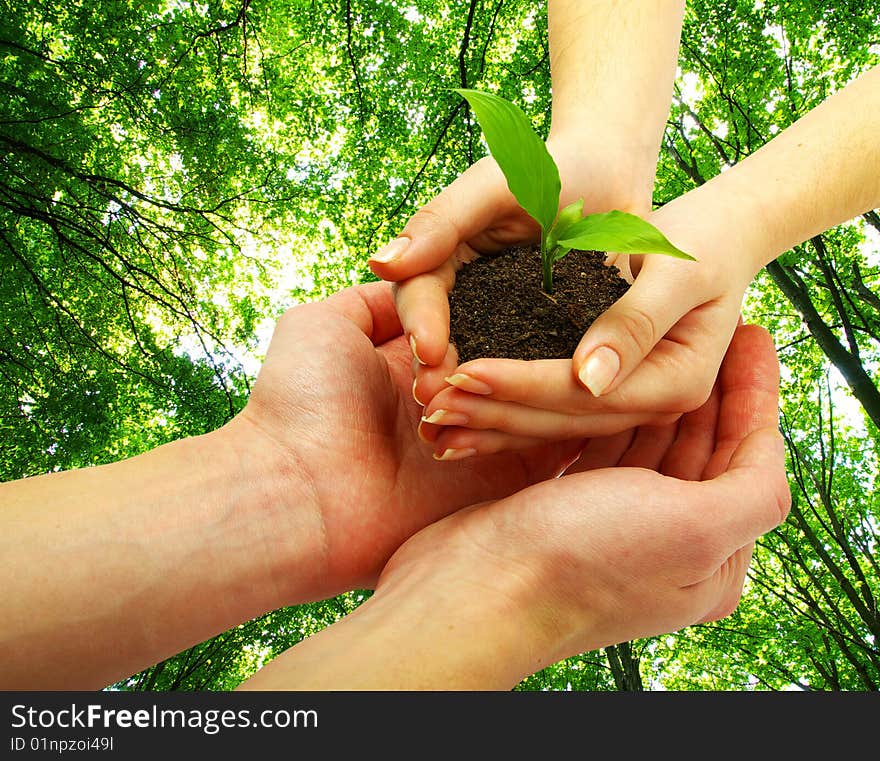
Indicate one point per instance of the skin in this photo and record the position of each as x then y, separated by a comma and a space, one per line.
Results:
652, 531
604, 57
655, 354
305, 494
671, 329
110, 569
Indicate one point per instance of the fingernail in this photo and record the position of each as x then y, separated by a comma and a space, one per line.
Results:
415, 351
467, 383
600, 370
445, 417
454, 454
391, 251
421, 433
418, 401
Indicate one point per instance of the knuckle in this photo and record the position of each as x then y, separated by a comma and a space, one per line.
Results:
688, 392
292, 314
667, 418
783, 498
693, 398
760, 333
677, 401
638, 328
434, 218
700, 542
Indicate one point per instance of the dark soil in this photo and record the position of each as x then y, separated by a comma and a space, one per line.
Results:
498, 308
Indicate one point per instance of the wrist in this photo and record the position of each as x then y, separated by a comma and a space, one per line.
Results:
442, 618
271, 505
607, 175
479, 616
721, 220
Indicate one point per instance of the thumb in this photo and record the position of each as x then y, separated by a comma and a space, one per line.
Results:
626, 333
462, 210
367, 308
752, 496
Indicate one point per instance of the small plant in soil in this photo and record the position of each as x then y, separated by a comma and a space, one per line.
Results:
533, 178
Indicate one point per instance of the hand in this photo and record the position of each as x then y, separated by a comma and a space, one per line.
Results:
303, 495
477, 214
332, 403
497, 591
659, 542
651, 357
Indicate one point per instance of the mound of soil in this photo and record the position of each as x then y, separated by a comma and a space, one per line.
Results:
498, 308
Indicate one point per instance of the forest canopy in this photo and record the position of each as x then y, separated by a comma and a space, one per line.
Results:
174, 175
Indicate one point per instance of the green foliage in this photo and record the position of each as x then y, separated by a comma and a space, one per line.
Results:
530, 170
533, 178
620, 232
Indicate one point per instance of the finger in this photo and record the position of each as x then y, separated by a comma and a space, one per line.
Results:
423, 306
627, 332
369, 306
749, 393
459, 443
677, 376
458, 408
649, 446
752, 496
602, 452
550, 384
541, 383
729, 585
694, 443
466, 207
430, 381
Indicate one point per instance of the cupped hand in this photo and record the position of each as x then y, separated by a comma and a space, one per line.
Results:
605, 554
333, 402
477, 214
651, 357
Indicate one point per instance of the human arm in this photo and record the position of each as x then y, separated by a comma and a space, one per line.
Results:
654, 533
303, 495
606, 57
821, 171
667, 335
110, 569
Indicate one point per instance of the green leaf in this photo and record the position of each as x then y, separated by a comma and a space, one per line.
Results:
567, 217
619, 232
531, 173
558, 252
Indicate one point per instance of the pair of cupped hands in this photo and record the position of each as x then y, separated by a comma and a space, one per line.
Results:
617, 516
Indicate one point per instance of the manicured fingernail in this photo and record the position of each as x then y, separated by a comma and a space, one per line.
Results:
421, 432
445, 417
454, 454
600, 370
415, 351
467, 383
391, 251
418, 401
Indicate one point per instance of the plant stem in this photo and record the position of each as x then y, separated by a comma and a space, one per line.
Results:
547, 265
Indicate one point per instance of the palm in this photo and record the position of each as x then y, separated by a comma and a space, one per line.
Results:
343, 407
631, 545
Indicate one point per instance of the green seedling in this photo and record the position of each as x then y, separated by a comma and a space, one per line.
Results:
533, 178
